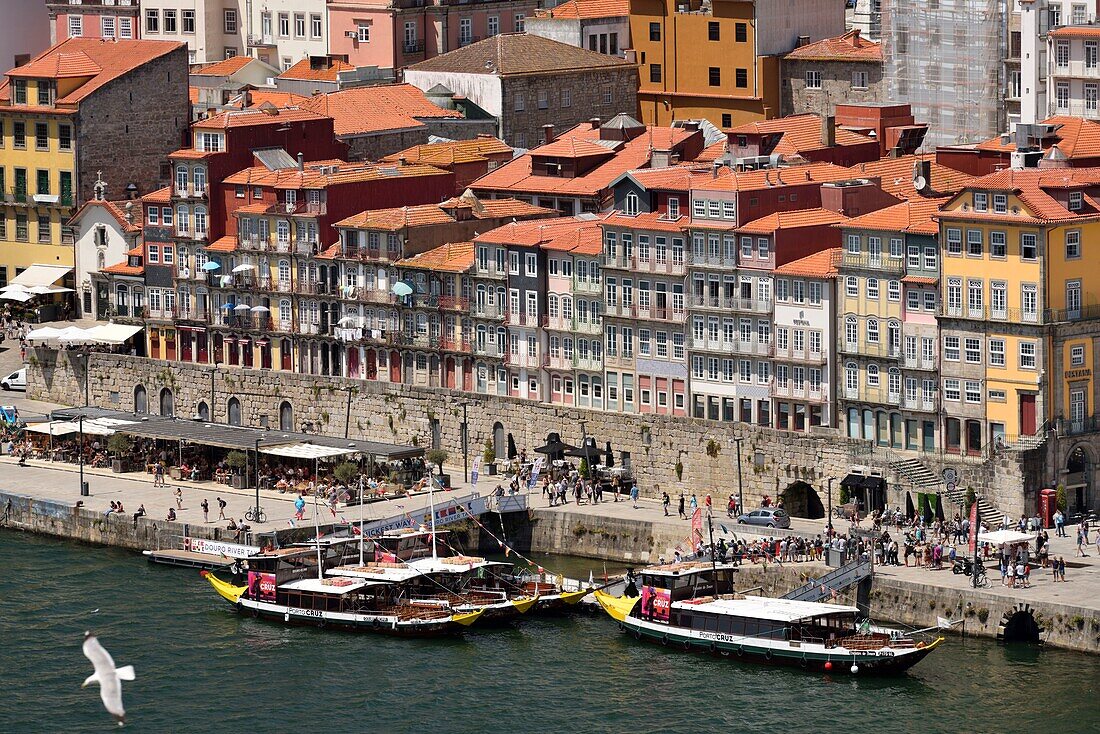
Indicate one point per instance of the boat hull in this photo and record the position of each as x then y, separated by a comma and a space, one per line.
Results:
836, 661
358, 623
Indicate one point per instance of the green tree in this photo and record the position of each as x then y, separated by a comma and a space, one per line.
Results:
236, 460
1060, 498
971, 498
488, 455
346, 473
119, 444
438, 457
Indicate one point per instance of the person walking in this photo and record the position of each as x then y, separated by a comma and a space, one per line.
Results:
683, 515
205, 505
158, 475
179, 498
221, 508
694, 504
1082, 540
730, 506
1059, 524
666, 501
634, 495
299, 507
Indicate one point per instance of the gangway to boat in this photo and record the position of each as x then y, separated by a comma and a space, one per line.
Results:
838, 579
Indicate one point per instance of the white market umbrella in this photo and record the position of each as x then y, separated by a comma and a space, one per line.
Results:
244, 268
347, 320
241, 307
260, 309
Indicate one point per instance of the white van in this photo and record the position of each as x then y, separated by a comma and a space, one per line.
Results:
15, 381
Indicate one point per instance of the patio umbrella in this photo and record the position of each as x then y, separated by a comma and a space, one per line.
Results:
588, 451
402, 288
909, 512
610, 456
211, 265
939, 506
555, 448
241, 307
229, 306
512, 453
347, 320
260, 309
244, 268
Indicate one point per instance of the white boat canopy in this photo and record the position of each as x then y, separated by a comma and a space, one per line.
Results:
305, 451
767, 608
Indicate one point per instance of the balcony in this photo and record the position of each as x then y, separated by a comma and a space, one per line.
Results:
375, 295
1053, 315
1070, 427
587, 363
881, 263
801, 355
260, 40
489, 270
17, 195
915, 363
523, 359
488, 349
648, 265
588, 326
454, 344
659, 313
919, 403
412, 47
525, 319
713, 261
191, 191
587, 286
1011, 315
806, 392
871, 349
454, 303
253, 243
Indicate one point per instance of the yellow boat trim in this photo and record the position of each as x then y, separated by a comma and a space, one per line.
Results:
468, 618
523, 605
572, 597
226, 590
617, 606
935, 643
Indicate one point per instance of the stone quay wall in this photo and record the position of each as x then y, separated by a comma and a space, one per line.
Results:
771, 461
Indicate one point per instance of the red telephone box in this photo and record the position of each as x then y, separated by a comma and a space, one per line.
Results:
1047, 505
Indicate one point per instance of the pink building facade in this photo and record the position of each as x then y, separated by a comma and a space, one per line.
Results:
119, 19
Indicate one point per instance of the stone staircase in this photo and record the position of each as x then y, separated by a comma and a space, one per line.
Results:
917, 473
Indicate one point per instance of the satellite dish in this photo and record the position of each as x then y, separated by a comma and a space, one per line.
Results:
920, 183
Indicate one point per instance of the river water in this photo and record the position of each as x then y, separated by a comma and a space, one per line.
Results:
202, 668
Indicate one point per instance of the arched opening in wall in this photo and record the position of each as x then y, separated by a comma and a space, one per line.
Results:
1019, 626
167, 403
203, 410
233, 410
802, 500
499, 448
1078, 474
436, 433
141, 400
286, 416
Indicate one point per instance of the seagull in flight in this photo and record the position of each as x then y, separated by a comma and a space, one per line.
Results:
107, 676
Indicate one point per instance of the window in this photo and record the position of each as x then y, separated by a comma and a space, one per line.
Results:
872, 331
42, 180
1073, 243
169, 21
715, 76
813, 79
519, 103
41, 136
1091, 95
465, 31
655, 31
872, 288
76, 25
974, 244
951, 390
566, 98
107, 25
981, 201
859, 79
872, 375
519, 22
893, 290
655, 73
153, 252
851, 286
152, 215
299, 25
727, 119
973, 391
1061, 54
1090, 54
973, 350
954, 241
951, 348
284, 25
1029, 246
998, 244
316, 29
363, 32
493, 25
1027, 355
996, 352
231, 20
187, 21
1077, 356
19, 131
741, 32
543, 100
673, 208
741, 78
1061, 96
998, 298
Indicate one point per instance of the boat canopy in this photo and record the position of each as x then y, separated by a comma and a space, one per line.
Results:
766, 608
685, 568
318, 586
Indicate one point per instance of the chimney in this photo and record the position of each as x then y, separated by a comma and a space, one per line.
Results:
301, 162
547, 134
129, 210
660, 158
767, 177
595, 122
246, 99
402, 160
922, 176
828, 131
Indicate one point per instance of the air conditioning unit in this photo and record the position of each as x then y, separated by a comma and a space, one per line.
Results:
351, 34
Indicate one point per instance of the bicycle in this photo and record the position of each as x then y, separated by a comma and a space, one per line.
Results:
255, 514
981, 579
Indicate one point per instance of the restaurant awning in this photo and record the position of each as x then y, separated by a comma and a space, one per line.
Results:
305, 451
16, 294
40, 275
112, 333
53, 428
1005, 537
863, 481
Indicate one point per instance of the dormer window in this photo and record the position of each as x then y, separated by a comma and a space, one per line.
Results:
209, 142
19, 89
45, 92
630, 208
1076, 201
673, 208
981, 201
1000, 203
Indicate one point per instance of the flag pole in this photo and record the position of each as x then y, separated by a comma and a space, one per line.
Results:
361, 520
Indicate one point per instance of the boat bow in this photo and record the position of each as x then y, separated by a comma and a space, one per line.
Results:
226, 590
617, 606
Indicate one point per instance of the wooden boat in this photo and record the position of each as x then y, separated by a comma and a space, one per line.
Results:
691, 606
284, 585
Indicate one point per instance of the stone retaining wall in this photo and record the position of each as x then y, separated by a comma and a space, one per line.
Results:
771, 460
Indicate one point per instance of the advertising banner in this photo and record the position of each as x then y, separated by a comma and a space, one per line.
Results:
656, 603
261, 586
474, 472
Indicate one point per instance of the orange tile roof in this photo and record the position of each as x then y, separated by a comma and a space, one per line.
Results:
124, 267
576, 9
256, 116
373, 109
257, 208
117, 211
1031, 186
455, 257
801, 133
847, 47
330, 253
424, 215
1076, 31
915, 216
228, 67
517, 176
818, 265
191, 154
672, 178
920, 280
228, 243
792, 220
535, 232
1077, 138
713, 152
573, 148
451, 152
728, 180
303, 71
585, 240
896, 175
257, 97
102, 61
508, 54
160, 196
322, 174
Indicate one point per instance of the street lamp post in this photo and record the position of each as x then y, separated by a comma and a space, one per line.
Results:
257, 515
83, 488
465, 446
829, 512
740, 489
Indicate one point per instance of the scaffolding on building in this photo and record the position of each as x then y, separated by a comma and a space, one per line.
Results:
945, 58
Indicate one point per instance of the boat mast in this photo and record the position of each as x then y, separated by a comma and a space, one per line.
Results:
360, 520
713, 555
317, 523
431, 505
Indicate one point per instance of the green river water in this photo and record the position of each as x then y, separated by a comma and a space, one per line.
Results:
202, 668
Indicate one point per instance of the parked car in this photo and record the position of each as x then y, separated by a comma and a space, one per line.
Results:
15, 381
772, 517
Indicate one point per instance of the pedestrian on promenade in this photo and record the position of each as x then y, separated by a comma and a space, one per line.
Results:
1059, 524
708, 507
221, 508
158, 475
616, 487
205, 505
634, 495
694, 504
139, 513
1082, 540
179, 498
730, 507
683, 516
1060, 569
666, 501
1098, 542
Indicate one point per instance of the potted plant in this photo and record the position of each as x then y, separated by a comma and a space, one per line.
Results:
489, 457
120, 445
237, 461
347, 474
439, 457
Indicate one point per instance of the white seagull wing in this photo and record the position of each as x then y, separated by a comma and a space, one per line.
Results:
101, 659
110, 689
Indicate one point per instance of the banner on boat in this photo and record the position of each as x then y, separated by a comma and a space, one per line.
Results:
261, 585
217, 548
656, 603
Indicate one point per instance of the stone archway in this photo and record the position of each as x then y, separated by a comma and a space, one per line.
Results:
1018, 625
499, 447
802, 500
1078, 472
167, 403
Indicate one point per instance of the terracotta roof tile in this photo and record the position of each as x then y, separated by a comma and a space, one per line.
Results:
256, 116
228, 243
1077, 138
227, 67
330, 253
304, 71
920, 280
451, 152
424, 215
672, 178
374, 109
118, 211
575, 9
124, 267
573, 148
850, 46
257, 97
103, 61
518, 53
193, 94
1076, 31
322, 174
896, 175
536, 232
455, 257
818, 265
792, 220
585, 240
916, 216
728, 180
1032, 185
801, 133
160, 196
713, 152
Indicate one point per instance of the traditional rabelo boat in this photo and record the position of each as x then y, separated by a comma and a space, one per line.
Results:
692, 606
287, 584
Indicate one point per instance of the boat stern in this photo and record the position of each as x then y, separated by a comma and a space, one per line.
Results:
618, 607
525, 604
467, 618
226, 590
